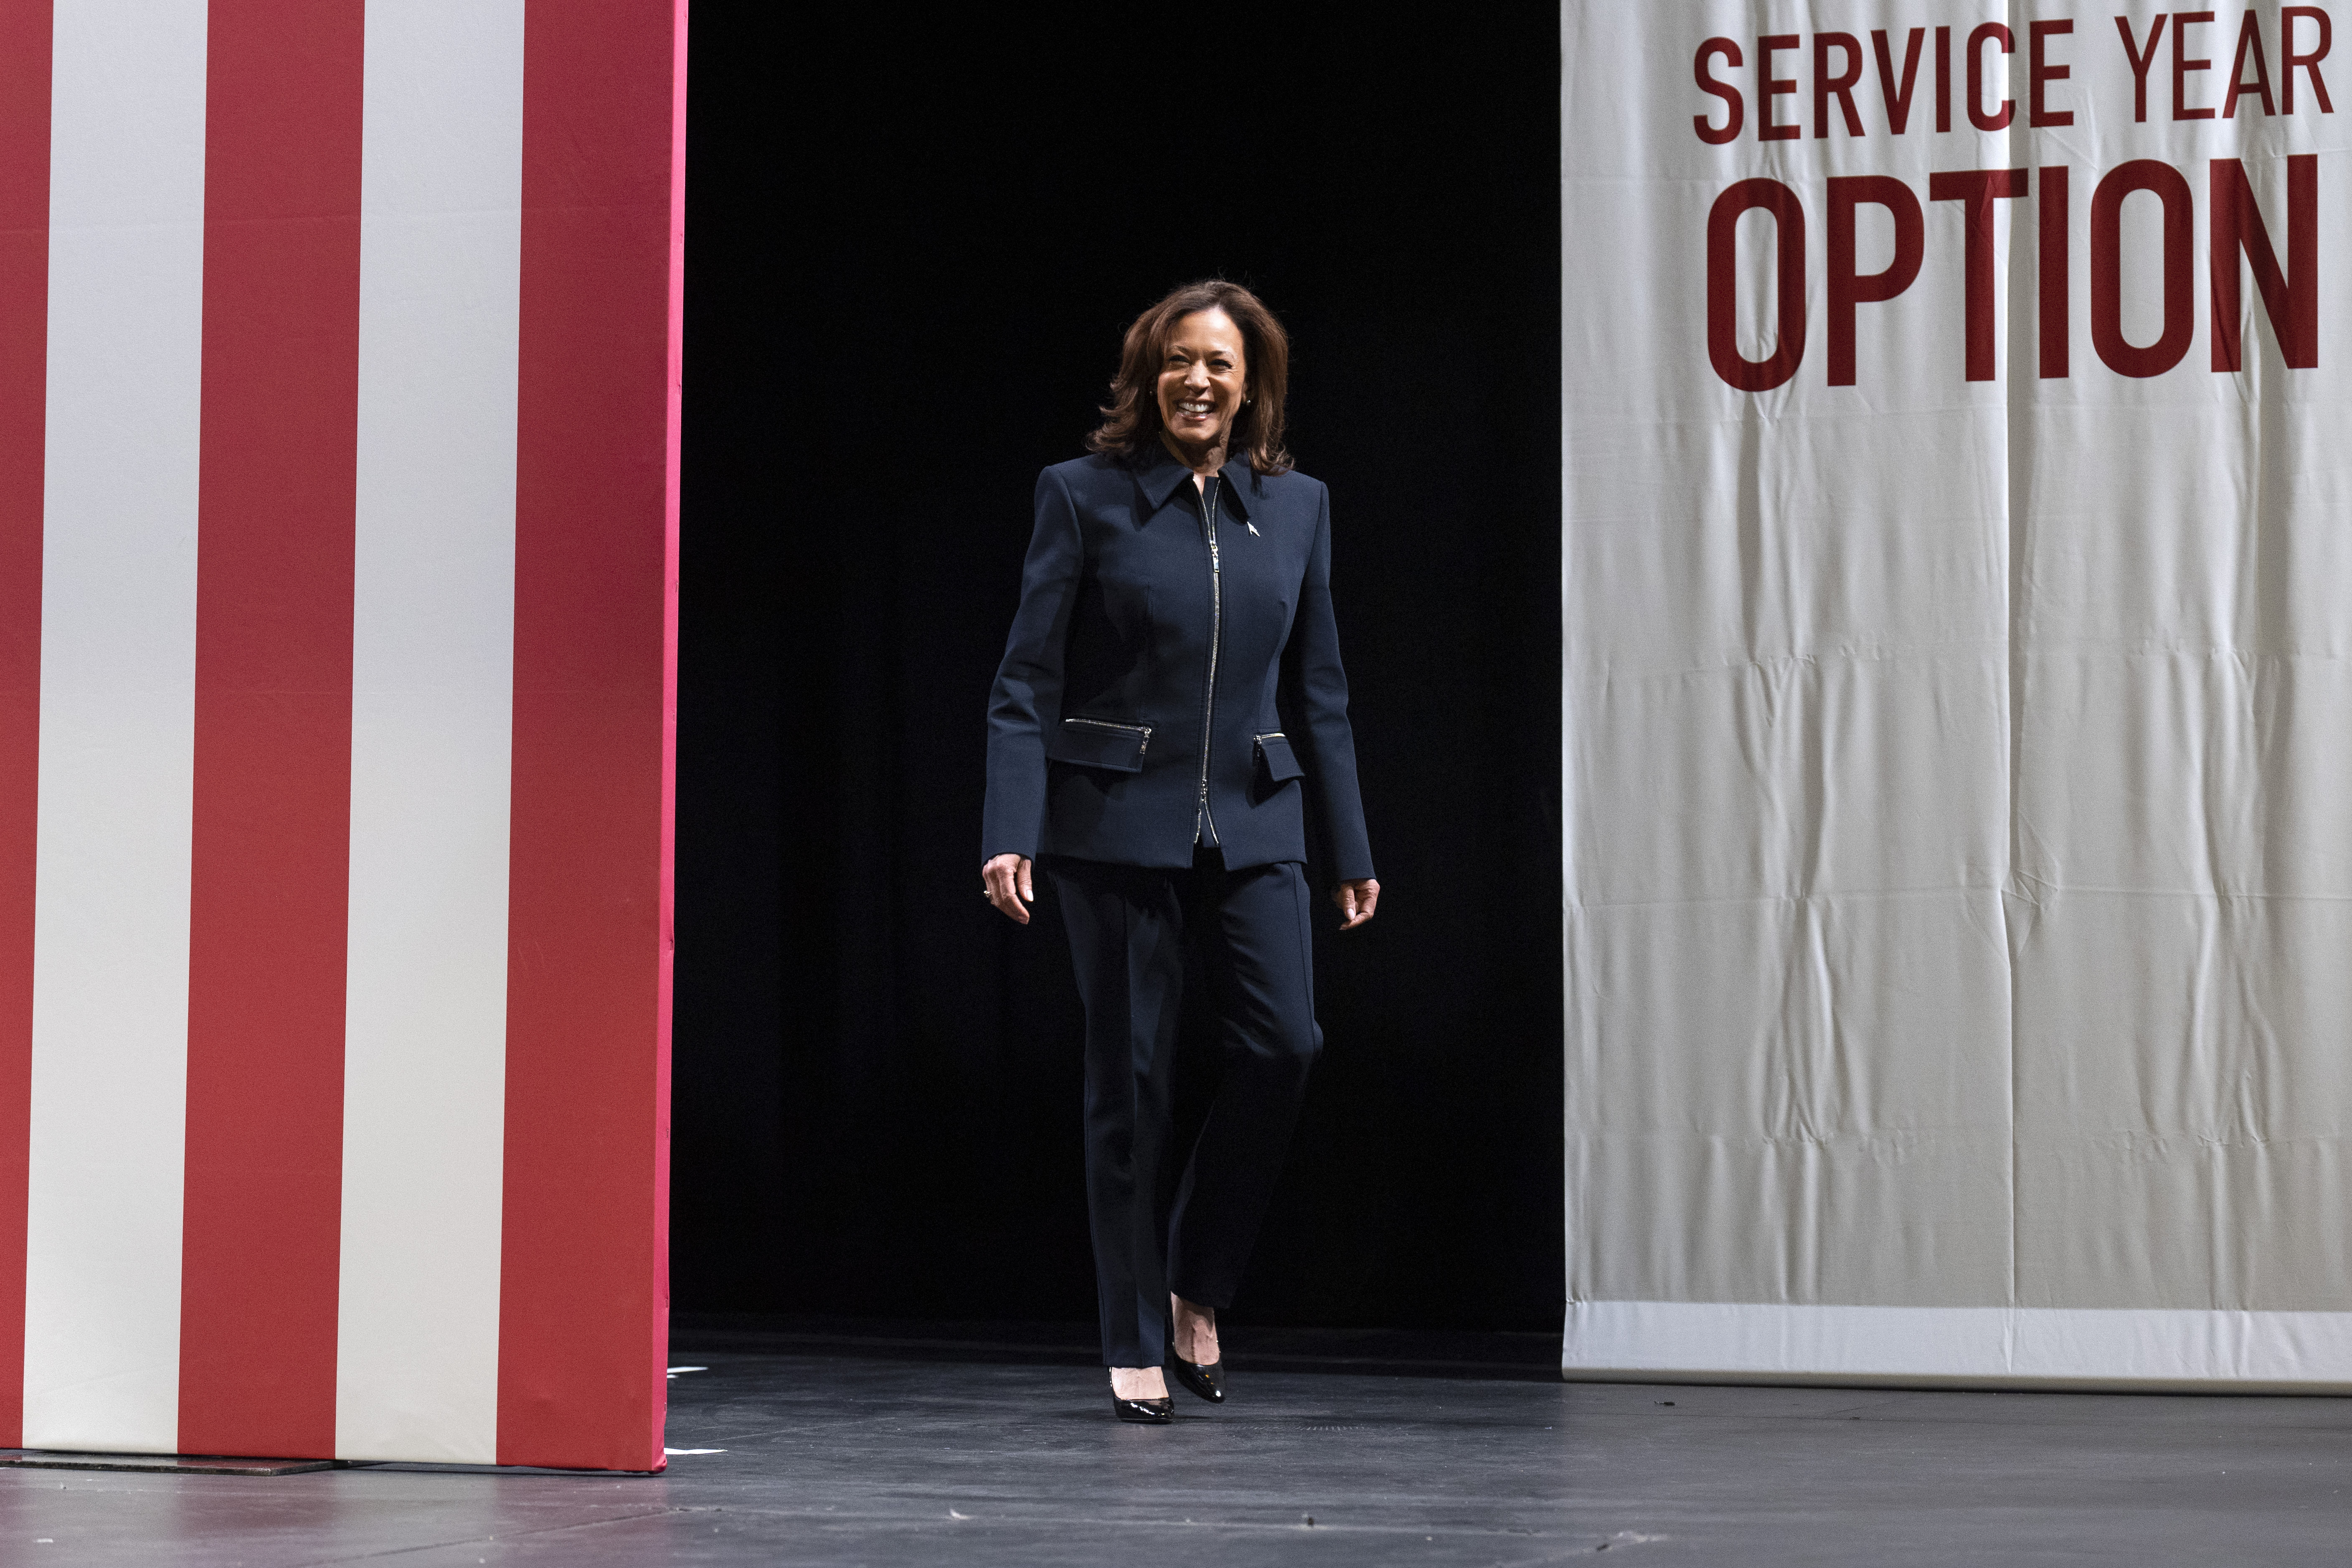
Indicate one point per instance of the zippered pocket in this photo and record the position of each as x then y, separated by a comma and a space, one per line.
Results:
1276, 759
1100, 744
1142, 732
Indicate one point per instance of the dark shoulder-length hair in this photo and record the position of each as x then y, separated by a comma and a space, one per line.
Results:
1131, 426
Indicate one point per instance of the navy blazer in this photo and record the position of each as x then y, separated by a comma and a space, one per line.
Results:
1103, 703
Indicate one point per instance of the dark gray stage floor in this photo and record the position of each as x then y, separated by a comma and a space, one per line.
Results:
864, 1459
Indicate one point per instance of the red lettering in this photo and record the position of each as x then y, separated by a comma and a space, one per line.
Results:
1993, 32
1723, 278
2250, 41
1979, 188
1847, 288
1770, 87
1733, 109
2292, 298
2035, 113
1898, 100
1943, 78
2183, 65
1840, 86
2107, 267
2051, 224
2289, 58
2140, 60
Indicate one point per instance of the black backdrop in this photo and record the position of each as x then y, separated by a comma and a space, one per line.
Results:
911, 248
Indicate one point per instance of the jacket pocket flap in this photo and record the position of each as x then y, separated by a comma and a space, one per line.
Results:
1274, 754
1099, 744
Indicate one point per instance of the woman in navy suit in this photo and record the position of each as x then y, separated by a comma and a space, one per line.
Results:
1171, 693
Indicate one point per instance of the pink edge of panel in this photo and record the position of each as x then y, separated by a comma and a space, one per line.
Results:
677, 361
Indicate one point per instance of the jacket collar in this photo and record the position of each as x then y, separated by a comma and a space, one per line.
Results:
1161, 477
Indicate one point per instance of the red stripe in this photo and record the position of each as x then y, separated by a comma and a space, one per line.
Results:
273, 710
23, 373
584, 1277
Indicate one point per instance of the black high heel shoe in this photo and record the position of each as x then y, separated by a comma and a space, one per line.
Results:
1157, 1412
1208, 1382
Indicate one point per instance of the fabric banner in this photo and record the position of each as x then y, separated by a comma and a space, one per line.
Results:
1958, 604
338, 462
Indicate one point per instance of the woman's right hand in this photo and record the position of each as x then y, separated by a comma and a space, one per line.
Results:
1009, 887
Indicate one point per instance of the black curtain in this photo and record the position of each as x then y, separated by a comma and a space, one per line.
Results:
911, 248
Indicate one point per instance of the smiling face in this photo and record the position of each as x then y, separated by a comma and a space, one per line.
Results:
1202, 382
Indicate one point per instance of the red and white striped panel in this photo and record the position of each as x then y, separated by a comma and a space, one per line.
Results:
338, 548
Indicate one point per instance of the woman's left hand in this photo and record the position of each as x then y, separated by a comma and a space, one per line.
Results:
1356, 899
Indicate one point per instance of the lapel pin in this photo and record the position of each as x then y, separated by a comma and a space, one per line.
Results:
1253, 532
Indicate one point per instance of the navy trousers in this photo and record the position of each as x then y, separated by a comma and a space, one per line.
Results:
1129, 926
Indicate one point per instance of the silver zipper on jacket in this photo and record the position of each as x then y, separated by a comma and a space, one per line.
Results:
1204, 824
1142, 730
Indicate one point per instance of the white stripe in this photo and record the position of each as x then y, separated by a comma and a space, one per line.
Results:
432, 732
2043, 1347
118, 725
